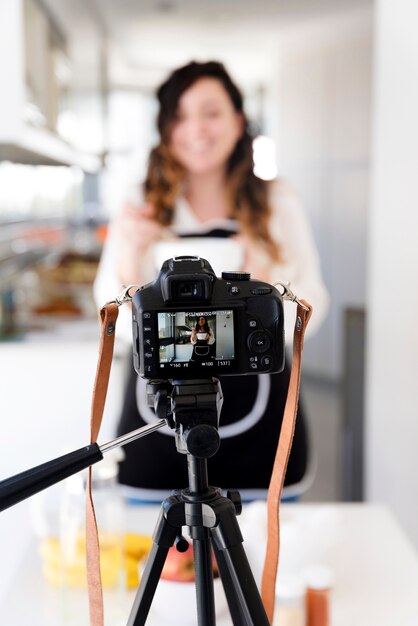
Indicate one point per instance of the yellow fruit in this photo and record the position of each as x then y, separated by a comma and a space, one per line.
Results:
69, 567
136, 545
131, 572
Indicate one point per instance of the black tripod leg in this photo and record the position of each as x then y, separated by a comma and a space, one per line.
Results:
235, 608
164, 536
205, 600
243, 597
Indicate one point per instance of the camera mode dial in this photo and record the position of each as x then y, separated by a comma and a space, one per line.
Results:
236, 275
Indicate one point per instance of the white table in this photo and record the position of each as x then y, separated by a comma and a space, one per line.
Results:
374, 563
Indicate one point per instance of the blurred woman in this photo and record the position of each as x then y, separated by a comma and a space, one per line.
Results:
201, 338
200, 183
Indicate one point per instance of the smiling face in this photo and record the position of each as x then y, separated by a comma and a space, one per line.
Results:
202, 321
206, 127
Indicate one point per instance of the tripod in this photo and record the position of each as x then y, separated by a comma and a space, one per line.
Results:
210, 516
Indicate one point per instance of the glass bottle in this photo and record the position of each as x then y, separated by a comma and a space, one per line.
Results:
290, 607
110, 514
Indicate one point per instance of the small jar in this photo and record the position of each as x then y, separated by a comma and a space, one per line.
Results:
290, 606
319, 582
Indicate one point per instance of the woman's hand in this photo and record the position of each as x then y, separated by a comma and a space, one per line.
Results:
137, 229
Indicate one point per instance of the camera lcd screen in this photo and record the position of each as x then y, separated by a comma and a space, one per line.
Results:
198, 341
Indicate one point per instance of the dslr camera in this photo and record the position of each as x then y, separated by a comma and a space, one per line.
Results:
189, 324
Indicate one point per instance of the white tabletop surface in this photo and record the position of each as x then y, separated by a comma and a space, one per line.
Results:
374, 564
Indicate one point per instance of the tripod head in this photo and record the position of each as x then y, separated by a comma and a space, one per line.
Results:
192, 409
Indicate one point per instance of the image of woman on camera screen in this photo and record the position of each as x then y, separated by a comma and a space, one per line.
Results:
202, 339
200, 186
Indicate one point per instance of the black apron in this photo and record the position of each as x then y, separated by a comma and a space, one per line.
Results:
249, 428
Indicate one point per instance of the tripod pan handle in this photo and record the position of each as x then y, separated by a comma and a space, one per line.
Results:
29, 482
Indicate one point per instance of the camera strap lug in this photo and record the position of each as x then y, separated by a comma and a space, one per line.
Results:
288, 294
125, 296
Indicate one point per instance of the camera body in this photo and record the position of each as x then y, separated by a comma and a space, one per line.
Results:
189, 324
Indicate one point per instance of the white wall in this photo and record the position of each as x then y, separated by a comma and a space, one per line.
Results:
324, 143
392, 348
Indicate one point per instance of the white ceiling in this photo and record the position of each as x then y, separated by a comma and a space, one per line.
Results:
146, 38
123, 16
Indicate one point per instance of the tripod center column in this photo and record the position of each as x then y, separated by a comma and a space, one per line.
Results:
198, 475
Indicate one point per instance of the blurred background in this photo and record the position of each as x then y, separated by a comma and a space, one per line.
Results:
331, 86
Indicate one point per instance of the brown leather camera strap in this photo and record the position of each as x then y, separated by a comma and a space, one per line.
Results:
108, 317
268, 584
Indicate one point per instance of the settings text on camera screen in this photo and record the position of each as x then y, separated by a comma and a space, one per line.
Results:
196, 340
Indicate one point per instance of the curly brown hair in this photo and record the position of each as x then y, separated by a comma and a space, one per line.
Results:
246, 193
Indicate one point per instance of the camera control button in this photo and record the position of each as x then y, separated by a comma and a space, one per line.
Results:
259, 342
252, 323
266, 360
146, 315
234, 290
261, 291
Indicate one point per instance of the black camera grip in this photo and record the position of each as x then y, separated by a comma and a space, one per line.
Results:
29, 482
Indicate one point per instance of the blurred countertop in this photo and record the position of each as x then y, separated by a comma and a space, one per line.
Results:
375, 567
57, 329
